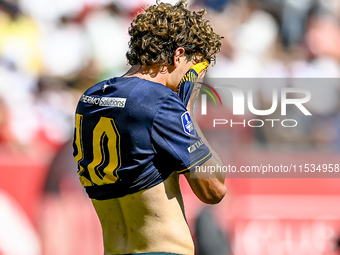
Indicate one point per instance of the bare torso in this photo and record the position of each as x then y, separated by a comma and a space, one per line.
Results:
150, 220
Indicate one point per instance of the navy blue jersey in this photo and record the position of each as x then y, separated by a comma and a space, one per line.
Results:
132, 134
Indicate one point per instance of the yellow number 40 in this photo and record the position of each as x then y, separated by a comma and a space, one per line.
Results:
106, 150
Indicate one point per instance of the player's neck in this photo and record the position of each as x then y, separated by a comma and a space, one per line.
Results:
157, 74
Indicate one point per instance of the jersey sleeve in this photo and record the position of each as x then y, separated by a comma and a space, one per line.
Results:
176, 142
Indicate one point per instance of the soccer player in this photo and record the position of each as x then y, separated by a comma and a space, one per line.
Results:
134, 135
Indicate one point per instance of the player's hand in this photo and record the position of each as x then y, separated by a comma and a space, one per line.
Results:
196, 90
196, 73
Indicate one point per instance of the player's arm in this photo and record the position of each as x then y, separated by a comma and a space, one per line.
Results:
208, 187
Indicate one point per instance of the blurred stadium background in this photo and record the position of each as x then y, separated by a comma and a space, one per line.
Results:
52, 50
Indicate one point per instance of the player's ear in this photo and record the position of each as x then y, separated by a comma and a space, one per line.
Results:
179, 53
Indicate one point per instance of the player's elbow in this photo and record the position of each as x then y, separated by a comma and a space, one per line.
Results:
215, 195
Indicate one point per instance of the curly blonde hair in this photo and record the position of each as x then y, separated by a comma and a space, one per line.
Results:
162, 28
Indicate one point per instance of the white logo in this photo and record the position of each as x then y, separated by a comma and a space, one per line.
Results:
104, 101
195, 146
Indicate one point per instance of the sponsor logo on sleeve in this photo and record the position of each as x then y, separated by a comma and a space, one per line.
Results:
195, 146
188, 125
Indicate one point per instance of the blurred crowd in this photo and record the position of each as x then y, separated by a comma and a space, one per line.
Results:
52, 50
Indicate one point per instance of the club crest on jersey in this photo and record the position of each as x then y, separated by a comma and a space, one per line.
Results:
187, 123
